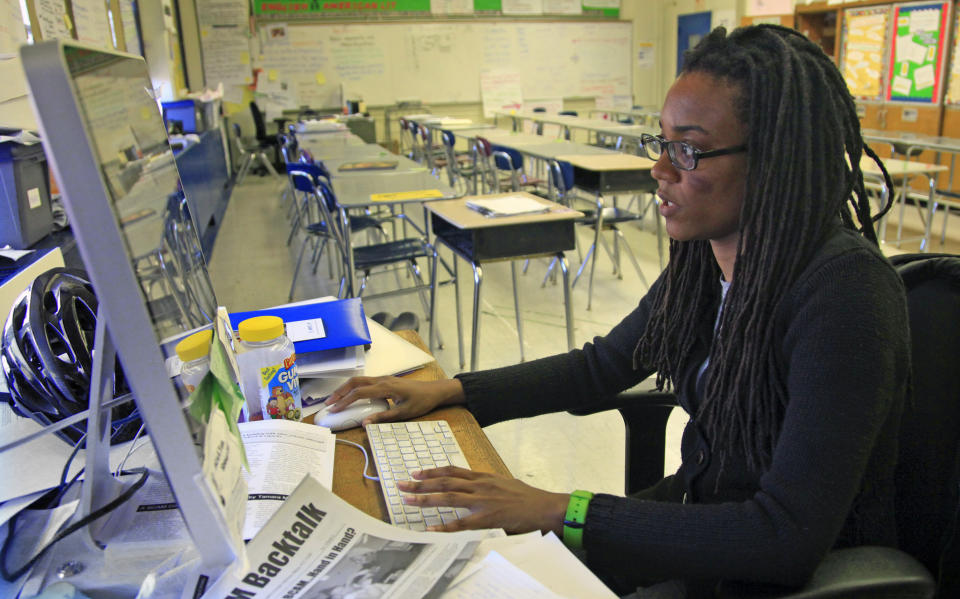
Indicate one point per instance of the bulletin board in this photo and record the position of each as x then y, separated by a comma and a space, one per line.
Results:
321, 64
917, 52
864, 42
953, 77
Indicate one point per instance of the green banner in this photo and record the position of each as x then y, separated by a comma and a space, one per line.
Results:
361, 7
334, 7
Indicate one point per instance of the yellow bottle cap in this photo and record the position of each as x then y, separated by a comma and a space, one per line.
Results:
261, 328
195, 346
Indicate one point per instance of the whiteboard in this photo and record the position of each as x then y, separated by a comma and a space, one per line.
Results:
442, 61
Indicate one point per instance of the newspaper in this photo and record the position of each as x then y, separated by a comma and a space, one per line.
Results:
317, 546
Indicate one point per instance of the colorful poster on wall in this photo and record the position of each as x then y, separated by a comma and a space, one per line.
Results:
953, 88
917, 50
864, 38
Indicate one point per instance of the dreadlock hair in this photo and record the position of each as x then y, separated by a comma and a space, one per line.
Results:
803, 176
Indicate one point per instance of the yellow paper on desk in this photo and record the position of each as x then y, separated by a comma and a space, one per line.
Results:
399, 196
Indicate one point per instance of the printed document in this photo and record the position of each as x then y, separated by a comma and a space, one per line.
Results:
317, 545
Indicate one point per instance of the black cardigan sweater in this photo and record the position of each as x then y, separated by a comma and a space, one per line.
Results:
845, 355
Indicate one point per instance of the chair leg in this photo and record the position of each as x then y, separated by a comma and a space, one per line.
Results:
266, 163
424, 300
244, 166
583, 265
633, 258
296, 269
516, 306
546, 275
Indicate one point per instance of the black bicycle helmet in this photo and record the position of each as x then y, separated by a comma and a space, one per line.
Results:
46, 355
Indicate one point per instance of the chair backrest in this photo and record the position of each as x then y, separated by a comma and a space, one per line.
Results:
259, 127
928, 469
238, 138
449, 148
561, 179
507, 158
288, 147
311, 177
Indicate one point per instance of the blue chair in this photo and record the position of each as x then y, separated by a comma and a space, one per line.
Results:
459, 166
318, 210
501, 168
561, 186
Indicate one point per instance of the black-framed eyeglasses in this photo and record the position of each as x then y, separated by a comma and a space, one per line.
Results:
682, 155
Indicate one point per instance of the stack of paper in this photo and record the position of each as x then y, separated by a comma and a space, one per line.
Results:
507, 206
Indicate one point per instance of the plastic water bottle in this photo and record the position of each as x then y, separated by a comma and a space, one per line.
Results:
194, 353
269, 370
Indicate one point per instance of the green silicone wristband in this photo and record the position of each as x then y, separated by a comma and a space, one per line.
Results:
575, 518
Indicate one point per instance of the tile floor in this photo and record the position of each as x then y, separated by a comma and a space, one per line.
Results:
252, 266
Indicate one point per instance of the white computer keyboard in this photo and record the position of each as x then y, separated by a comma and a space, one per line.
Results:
403, 447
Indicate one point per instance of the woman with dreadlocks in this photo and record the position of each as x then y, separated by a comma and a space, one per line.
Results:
778, 323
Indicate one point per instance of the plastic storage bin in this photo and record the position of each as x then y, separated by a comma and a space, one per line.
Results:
25, 215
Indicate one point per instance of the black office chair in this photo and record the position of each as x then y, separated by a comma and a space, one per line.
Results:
267, 143
928, 470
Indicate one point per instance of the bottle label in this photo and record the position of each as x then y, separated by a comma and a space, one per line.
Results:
280, 390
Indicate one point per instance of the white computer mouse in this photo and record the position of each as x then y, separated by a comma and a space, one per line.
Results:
351, 416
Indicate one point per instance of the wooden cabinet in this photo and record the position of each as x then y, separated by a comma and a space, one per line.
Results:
821, 24
784, 20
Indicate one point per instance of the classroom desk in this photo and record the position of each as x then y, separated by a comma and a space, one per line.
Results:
479, 239
649, 117
535, 146
365, 495
386, 188
600, 127
904, 170
611, 173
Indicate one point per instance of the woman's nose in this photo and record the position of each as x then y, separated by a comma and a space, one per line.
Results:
663, 169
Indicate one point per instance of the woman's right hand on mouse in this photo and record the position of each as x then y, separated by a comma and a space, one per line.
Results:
410, 398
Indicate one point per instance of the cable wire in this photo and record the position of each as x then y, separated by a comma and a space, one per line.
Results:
94, 515
366, 459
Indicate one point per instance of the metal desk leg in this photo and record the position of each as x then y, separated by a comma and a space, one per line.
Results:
456, 300
475, 340
931, 208
567, 298
516, 306
433, 297
596, 250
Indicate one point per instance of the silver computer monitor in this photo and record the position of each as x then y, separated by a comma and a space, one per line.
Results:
104, 137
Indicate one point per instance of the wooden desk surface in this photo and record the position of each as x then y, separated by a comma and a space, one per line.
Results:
459, 215
348, 481
608, 162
